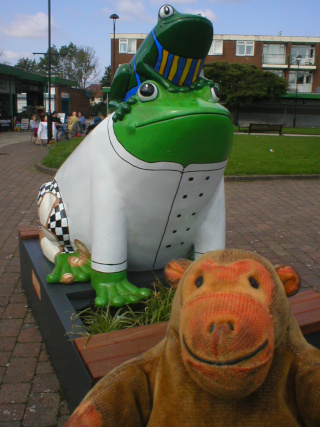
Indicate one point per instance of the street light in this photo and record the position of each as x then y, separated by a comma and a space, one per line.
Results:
114, 17
298, 60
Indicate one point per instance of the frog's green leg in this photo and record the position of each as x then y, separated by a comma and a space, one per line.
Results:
69, 268
115, 289
119, 85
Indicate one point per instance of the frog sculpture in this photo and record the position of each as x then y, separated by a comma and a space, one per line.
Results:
145, 186
172, 55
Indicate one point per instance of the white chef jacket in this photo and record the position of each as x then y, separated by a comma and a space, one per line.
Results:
136, 215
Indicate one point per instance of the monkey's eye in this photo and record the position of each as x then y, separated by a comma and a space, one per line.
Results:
166, 11
253, 283
199, 281
147, 92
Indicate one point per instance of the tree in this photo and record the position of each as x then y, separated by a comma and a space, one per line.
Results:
71, 62
106, 78
28, 64
242, 84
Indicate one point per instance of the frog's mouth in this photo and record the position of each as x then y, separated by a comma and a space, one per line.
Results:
177, 117
185, 139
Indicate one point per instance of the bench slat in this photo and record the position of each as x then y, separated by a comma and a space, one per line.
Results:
106, 351
111, 349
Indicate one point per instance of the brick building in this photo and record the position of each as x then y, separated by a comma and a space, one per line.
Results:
273, 53
294, 58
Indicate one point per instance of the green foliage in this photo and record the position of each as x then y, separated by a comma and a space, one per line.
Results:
27, 64
106, 78
242, 84
100, 107
155, 309
70, 62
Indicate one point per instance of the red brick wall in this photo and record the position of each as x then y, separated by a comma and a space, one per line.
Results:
78, 100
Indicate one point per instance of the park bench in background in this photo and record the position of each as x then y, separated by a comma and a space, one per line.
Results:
265, 128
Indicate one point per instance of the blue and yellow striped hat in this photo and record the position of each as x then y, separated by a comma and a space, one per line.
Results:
180, 71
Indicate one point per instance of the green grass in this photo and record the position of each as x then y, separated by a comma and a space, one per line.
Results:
59, 151
250, 155
155, 309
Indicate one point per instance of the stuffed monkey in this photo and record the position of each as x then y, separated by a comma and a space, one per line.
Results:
233, 355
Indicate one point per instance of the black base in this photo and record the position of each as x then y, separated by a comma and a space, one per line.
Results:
53, 306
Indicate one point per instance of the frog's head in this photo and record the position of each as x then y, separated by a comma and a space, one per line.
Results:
194, 32
188, 127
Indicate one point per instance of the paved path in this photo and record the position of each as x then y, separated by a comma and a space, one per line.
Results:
278, 219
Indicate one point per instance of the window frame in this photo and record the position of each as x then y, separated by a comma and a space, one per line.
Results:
213, 48
245, 43
126, 43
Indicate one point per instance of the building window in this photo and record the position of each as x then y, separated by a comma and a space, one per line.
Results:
302, 81
278, 73
274, 54
216, 47
245, 48
306, 53
127, 46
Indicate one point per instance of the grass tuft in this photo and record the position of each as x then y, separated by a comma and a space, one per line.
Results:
155, 309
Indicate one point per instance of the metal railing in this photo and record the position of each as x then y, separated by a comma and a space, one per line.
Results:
305, 60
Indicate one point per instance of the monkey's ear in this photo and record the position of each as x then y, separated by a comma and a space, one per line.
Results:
290, 279
174, 271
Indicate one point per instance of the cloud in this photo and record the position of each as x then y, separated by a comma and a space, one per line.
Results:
12, 57
129, 11
28, 26
207, 13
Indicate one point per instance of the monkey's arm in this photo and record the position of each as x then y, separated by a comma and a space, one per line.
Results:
121, 398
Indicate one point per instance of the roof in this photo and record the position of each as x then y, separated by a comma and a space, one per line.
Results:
25, 75
96, 89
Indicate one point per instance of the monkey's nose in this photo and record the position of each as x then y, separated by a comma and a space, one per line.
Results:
227, 326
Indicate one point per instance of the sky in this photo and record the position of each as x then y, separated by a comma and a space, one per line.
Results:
24, 24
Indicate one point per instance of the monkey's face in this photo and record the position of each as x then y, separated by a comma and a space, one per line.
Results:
226, 330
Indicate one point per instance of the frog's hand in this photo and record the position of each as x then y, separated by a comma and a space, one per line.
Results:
119, 85
69, 268
115, 289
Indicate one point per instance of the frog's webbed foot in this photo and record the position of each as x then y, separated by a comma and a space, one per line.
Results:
115, 289
69, 268
123, 108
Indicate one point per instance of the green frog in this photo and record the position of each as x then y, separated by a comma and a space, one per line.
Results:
172, 55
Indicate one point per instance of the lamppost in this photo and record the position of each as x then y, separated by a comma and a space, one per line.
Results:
298, 60
49, 117
114, 17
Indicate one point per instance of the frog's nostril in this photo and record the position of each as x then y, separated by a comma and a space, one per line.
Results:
211, 329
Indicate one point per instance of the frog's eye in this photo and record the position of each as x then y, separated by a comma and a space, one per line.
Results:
166, 11
148, 92
215, 93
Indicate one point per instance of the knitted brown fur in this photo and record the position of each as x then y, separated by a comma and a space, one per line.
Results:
233, 356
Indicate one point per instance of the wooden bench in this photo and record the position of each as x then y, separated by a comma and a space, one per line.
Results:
243, 124
265, 128
103, 352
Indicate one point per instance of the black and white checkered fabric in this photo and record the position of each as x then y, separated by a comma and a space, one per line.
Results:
58, 221
48, 187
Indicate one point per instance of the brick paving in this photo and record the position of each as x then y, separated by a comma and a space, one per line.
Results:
279, 219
